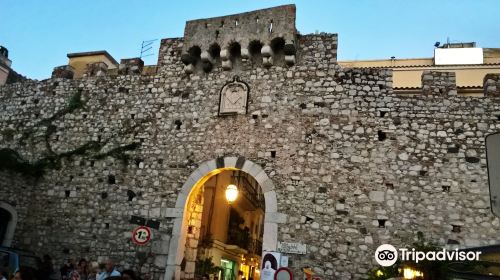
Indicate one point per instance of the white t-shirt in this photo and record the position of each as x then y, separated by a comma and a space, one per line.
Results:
103, 275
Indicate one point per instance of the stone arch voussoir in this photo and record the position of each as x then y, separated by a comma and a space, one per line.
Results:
204, 171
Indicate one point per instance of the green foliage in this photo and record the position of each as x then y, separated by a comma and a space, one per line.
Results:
383, 273
11, 160
75, 101
8, 134
206, 266
433, 270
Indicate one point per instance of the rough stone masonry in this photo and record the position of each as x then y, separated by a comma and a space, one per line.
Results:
354, 165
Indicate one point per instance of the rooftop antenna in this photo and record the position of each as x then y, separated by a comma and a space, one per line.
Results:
146, 47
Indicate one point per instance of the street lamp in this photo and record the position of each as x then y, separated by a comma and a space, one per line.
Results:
409, 273
231, 193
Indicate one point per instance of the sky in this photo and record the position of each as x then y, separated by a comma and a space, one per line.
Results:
39, 33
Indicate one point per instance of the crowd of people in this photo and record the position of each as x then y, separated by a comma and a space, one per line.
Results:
82, 270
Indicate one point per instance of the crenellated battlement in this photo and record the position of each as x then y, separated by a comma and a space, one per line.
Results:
262, 35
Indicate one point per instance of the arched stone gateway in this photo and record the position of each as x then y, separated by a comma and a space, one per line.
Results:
199, 176
7, 234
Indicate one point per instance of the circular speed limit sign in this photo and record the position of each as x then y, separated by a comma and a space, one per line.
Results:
141, 235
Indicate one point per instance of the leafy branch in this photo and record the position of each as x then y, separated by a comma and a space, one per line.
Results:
13, 161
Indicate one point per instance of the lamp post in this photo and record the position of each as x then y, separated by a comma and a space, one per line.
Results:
231, 193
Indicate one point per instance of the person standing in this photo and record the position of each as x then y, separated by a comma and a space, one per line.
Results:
3, 275
46, 270
109, 270
82, 269
24, 273
66, 269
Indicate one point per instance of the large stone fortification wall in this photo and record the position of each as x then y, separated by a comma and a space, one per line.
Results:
353, 164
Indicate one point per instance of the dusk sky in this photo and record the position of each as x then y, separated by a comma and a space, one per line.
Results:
39, 34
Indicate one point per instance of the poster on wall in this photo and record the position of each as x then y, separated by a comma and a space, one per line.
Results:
270, 263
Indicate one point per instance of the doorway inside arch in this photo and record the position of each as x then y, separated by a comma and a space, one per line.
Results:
5, 219
224, 237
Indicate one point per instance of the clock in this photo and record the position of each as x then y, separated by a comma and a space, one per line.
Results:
234, 98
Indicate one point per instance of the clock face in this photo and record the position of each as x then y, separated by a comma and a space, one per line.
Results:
234, 98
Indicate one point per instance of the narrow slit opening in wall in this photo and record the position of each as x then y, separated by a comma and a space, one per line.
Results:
381, 135
178, 124
67, 193
382, 113
111, 179
131, 195
273, 154
381, 223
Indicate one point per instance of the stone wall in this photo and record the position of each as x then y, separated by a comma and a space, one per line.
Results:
262, 25
492, 85
353, 164
439, 83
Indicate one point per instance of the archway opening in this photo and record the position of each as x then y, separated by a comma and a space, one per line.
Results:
224, 238
5, 219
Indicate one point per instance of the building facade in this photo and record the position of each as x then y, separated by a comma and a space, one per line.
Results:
407, 72
343, 162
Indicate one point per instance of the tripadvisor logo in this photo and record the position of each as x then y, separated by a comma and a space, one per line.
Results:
387, 255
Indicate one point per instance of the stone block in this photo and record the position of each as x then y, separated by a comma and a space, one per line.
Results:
131, 66
160, 246
377, 196
96, 69
64, 71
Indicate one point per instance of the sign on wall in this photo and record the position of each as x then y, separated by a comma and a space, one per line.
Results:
141, 235
270, 264
292, 248
493, 158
